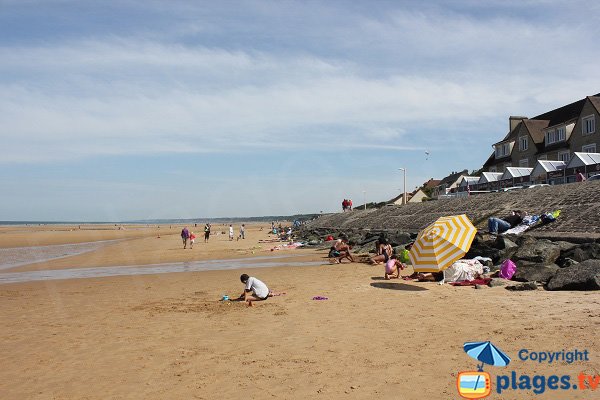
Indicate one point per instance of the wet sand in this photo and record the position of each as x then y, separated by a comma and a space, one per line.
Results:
168, 336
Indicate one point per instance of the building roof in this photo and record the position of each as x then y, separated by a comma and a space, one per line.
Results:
583, 159
595, 100
453, 177
516, 172
564, 113
535, 129
469, 180
431, 183
489, 177
544, 166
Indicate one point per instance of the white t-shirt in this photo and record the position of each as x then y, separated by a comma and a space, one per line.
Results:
258, 287
231, 231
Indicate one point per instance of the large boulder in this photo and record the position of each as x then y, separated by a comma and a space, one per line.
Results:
533, 251
586, 251
582, 276
535, 273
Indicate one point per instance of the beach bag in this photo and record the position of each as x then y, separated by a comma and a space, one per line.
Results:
507, 269
547, 218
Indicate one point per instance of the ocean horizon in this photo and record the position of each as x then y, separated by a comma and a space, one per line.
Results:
268, 218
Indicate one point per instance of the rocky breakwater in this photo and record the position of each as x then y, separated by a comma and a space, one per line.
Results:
555, 265
562, 255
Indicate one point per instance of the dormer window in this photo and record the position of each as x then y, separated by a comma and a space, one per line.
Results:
561, 134
502, 150
523, 143
550, 137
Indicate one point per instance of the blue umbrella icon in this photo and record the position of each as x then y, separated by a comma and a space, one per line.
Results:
487, 353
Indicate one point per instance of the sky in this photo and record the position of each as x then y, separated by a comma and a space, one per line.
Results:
128, 110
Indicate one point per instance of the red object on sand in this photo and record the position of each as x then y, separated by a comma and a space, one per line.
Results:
329, 238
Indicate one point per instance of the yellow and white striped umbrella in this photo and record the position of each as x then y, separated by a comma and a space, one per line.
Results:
440, 244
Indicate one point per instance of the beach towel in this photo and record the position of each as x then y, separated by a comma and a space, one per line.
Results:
481, 281
463, 270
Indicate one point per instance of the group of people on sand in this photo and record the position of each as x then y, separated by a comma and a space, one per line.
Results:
187, 236
341, 249
242, 234
347, 205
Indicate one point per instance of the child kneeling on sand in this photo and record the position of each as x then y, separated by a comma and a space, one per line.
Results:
393, 266
255, 290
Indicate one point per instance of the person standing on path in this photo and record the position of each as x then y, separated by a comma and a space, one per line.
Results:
230, 232
185, 235
242, 231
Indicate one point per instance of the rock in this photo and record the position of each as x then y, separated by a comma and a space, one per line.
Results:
586, 251
478, 286
399, 238
566, 262
535, 273
582, 276
523, 286
504, 243
536, 251
495, 282
565, 246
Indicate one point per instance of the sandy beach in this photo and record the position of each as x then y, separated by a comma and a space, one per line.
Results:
167, 336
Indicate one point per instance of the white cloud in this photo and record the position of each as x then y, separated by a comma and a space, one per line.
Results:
118, 96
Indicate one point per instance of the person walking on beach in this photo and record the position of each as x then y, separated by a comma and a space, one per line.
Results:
192, 239
185, 235
242, 231
206, 232
230, 232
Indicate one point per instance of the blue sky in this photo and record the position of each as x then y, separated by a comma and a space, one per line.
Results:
180, 109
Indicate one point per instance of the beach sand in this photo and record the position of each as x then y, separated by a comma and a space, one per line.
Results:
168, 337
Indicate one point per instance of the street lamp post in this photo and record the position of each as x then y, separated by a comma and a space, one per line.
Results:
365, 198
404, 191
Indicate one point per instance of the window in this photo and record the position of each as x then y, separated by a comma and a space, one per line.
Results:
502, 150
524, 163
564, 156
589, 148
561, 134
550, 137
523, 143
588, 125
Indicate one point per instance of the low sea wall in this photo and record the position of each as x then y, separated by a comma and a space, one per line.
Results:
579, 219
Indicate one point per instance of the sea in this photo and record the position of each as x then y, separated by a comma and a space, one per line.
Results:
18, 256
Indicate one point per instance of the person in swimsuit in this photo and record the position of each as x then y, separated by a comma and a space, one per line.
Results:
393, 266
384, 253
